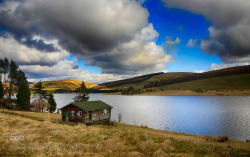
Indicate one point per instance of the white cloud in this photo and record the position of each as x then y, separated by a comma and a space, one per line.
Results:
22, 54
138, 56
191, 43
176, 41
141, 1
199, 71
223, 66
66, 70
170, 45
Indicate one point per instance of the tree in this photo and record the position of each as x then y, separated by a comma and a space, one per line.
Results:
38, 87
21, 78
52, 103
12, 76
42, 96
4, 66
83, 93
1, 92
23, 97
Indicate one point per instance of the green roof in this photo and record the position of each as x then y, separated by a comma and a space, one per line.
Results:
90, 105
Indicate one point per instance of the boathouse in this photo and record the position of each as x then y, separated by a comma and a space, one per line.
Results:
87, 112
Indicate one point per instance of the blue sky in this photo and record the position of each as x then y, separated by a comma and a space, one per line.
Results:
101, 41
185, 25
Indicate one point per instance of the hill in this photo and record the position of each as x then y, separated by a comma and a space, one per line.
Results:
196, 76
224, 79
63, 85
233, 82
56, 138
162, 76
128, 81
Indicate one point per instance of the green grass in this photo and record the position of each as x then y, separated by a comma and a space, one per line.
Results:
233, 82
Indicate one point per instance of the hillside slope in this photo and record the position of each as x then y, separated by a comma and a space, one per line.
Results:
163, 76
234, 82
137, 79
63, 84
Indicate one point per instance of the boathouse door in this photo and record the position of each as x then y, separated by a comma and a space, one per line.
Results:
90, 116
67, 115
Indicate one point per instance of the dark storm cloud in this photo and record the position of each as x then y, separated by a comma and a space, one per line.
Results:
82, 26
230, 33
40, 45
113, 35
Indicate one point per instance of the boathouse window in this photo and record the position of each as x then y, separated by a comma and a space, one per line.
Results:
79, 113
73, 113
105, 111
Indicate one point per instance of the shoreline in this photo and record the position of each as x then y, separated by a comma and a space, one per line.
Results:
242, 92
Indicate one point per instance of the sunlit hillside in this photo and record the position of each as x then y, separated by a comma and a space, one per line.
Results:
63, 84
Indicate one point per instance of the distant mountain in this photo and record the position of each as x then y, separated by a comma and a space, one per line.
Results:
63, 85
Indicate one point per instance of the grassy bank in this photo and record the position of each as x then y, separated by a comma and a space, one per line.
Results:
56, 138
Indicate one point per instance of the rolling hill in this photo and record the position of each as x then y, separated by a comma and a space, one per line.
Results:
129, 80
162, 76
63, 85
234, 82
234, 78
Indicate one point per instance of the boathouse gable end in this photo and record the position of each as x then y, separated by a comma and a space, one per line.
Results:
91, 112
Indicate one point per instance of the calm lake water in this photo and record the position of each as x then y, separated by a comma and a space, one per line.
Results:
206, 115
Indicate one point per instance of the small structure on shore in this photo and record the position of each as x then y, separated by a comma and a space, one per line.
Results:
87, 112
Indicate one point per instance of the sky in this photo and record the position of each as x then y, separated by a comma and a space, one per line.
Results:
107, 40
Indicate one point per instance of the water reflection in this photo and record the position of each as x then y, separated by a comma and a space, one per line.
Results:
208, 115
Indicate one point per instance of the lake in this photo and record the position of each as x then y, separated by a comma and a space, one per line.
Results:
205, 115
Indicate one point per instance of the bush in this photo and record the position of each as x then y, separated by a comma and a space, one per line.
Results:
222, 139
199, 90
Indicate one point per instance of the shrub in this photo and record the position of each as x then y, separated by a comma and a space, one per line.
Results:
222, 139
199, 90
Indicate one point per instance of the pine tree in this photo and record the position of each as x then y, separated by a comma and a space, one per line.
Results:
21, 78
38, 87
52, 103
1, 92
23, 97
12, 76
83, 93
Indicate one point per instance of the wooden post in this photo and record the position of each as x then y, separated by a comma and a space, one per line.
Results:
85, 117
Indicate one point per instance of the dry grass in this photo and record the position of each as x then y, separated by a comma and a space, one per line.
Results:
63, 84
44, 138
